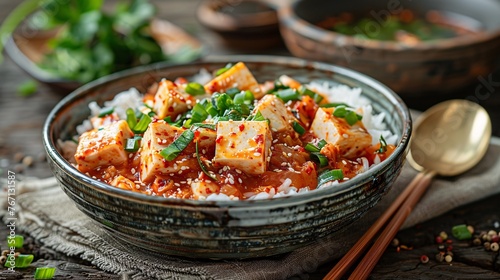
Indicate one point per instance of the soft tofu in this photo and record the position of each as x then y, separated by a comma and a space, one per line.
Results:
237, 76
351, 140
244, 145
158, 136
273, 109
103, 147
289, 82
170, 101
204, 188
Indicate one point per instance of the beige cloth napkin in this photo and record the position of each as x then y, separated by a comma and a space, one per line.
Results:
48, 215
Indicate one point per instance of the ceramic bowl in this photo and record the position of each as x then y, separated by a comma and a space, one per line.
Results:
439, 66
243, 25
225, 229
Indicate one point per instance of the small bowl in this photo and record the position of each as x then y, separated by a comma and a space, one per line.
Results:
224, 229
442, 65
27, 48
243, 25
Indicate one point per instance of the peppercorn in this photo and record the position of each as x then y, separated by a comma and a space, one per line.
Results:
448, 258
485, 237
395, 242
3, 259
494, 246
487, 245
450, 253
449, 248
439, 239
440, 257
492, 233
477, 241
495, 238
424, 259
443, 235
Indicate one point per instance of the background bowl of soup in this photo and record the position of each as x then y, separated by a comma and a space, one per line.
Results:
411, 46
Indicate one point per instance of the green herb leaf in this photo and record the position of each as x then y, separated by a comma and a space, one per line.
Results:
42, 273
179, 144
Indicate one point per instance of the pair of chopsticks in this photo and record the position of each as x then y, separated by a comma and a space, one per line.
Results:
393, 218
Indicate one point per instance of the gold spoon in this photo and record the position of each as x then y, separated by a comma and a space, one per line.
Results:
448, 139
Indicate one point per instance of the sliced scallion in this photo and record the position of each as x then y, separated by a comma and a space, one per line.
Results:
320, 159
310, 147
131, 118
179, 144
16, 241
44, 273
305, 91
21, 261
106, 111
340, 111
383, 145
322, 143
351, 117
142, 125
204, 125
223, 69
132, 144
330, 175
289, 94
298, 128
257, 117
330, 105
194, 88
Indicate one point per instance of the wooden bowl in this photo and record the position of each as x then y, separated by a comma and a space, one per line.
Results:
225, 229
439, 66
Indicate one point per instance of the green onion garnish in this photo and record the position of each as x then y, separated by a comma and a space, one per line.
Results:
311, 148
131, 118
132, 144
383, 145
142, 125
179, 144
106, 111
330, 175
223, 69
298, 128
44, 273
319, 158
210, 126
257, 117
330, 105
340, 111
351, 117
21, 261
195, 89
322, 143
200, 163
198, 115
288, 94
233, 91
16, 241
305, 91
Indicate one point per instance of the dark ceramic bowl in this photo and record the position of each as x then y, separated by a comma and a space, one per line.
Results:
225, 229
440, 66
244, 25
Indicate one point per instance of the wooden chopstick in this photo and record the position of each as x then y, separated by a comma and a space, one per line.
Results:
398, 211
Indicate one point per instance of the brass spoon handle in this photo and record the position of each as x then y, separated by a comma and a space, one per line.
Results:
404, 203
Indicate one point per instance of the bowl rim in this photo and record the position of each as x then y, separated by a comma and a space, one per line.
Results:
291, 20
401, 148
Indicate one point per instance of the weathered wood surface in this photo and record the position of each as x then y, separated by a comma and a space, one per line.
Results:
22, 119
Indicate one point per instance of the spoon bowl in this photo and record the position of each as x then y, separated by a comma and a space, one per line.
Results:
450, 138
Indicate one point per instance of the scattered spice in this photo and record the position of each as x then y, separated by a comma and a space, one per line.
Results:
494, 247
448, 258
395, 242
424, 259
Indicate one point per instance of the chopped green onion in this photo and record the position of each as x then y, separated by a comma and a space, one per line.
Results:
16, 241
168, 119
233, 91
288, 94
461, 232
340, 111
319, 158
298, 128
310, 147
44, 273
200, 163
383, 145
27, 88
106, 111
351, 117
132, 144
147, 106
142, 125
330, 175
239, 98
131, 118
305, 91
198, 114
179, 144
330, 105
223, 69
257, 117
322, 143
21, 261
205, 125
195, 89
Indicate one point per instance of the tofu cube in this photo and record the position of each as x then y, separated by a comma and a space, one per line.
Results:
273, 109
204, 188
103, 147
158, 136
244, 145
237, 76
351, 140
169, 101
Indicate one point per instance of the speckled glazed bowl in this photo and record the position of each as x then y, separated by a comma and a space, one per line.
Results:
440, 66
225, 229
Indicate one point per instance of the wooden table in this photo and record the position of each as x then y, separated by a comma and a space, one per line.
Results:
22, 119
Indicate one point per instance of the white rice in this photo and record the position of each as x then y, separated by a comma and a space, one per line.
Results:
374, 123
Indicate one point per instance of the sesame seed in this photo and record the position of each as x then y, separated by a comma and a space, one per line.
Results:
257, 154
